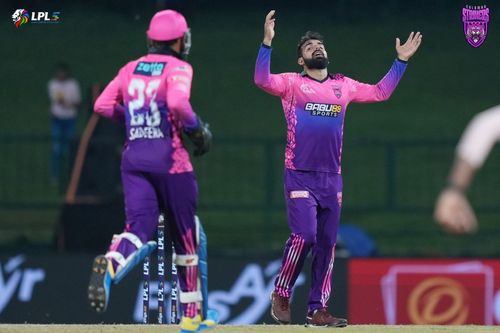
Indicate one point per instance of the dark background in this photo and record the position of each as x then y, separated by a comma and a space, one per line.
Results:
238, 288
396, 157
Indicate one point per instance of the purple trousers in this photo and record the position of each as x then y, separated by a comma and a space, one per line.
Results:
146, 194
313, 201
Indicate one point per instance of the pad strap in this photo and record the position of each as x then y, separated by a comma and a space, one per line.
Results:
130, 237
117, 256
190, 297
186, 259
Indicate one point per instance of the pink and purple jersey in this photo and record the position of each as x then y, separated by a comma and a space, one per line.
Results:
315, 110
151, 94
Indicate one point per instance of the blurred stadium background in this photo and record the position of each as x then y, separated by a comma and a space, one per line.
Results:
397, 154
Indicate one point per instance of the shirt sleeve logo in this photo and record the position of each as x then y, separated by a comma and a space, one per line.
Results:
323, 110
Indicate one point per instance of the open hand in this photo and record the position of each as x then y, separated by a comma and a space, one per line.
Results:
454, 213
408, 49
269, 28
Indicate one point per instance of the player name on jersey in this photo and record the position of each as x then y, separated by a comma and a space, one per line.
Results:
145, 133
323, 110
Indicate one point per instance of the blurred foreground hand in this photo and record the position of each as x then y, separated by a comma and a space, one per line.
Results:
454, 212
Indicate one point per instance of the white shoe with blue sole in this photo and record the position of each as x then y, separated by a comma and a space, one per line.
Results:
133, 260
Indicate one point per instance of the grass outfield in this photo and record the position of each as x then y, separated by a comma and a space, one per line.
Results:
240, 329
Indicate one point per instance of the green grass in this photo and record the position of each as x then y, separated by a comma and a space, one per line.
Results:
241, 329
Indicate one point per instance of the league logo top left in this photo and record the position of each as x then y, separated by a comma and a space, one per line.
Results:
20, 17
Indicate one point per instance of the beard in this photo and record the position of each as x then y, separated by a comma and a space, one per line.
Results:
316, 63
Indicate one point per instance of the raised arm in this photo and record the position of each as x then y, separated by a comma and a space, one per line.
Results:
479, 137
366, 93
274, 84
109, 102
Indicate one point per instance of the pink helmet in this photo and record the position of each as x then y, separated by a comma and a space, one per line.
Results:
167, 25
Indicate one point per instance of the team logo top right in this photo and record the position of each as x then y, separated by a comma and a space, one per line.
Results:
475, 19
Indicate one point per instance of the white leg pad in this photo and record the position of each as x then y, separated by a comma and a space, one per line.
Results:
190, 260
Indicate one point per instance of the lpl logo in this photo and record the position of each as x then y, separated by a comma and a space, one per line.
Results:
475, 19
22, 17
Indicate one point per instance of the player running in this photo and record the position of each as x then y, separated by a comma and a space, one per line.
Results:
151, 95
315, 103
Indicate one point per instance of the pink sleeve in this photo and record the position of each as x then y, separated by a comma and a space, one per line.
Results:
366, 93
179, 81
109, 102
274, 84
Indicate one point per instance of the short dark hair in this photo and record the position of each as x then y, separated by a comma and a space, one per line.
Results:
163, 44
309, 35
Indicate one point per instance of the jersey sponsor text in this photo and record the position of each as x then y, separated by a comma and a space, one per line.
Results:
323, 110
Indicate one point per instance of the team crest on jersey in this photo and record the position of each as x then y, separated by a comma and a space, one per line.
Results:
149, 68
323, 110
337, 90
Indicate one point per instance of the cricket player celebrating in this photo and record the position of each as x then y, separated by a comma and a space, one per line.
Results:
151, 95
315, 103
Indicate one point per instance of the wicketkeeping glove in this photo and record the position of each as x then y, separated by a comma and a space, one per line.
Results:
201, 138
